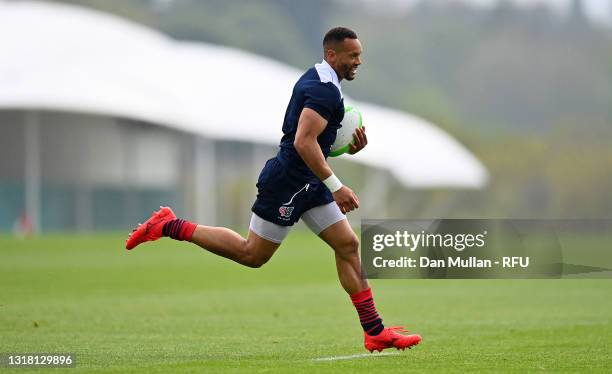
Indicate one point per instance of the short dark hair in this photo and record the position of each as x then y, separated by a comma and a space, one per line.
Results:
337, 35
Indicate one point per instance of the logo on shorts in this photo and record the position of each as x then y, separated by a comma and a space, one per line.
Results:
285, 211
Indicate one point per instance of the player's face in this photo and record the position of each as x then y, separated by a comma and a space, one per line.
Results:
347, 59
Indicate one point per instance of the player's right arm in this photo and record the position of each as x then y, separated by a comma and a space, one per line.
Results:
310, 125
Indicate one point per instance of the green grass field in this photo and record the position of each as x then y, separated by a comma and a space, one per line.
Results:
171, 307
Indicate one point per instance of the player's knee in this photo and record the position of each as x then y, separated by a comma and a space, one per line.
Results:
252, 257
349, 247
255, 261
353, 244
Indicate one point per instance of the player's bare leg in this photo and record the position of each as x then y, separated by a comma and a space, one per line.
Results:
253, 251
341, 237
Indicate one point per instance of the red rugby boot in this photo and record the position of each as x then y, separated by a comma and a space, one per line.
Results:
151, 229
390, 338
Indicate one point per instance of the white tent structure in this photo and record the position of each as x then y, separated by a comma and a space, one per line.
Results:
71, 59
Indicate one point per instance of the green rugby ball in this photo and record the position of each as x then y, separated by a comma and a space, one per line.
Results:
344, 137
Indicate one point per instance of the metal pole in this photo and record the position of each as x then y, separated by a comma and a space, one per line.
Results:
205, 181
32, 169
83, 207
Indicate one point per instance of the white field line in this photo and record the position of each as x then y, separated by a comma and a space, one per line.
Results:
363, 355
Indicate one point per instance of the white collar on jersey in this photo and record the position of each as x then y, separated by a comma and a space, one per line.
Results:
328, 74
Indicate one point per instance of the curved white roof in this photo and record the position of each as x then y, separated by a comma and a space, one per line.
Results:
62, 57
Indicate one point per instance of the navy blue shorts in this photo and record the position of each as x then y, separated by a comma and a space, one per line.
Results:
282, 198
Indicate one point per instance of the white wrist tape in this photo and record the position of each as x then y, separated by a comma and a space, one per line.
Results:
333, 183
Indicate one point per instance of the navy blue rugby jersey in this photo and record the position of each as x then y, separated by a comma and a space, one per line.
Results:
317, 89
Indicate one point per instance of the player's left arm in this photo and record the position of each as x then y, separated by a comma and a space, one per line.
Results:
361, 140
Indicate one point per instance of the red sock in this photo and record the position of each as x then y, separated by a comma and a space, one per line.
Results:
179, 229
368, 315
